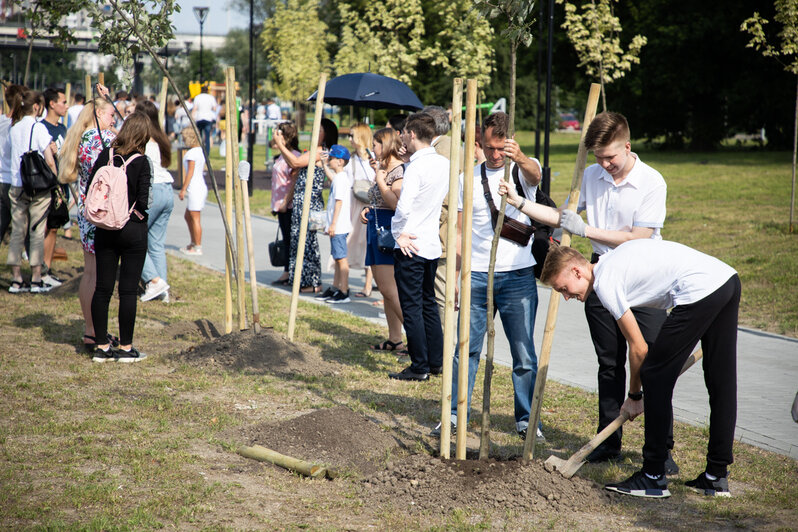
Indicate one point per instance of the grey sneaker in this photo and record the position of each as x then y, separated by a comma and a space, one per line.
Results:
98, 355
129, 356
711, 488
154, 289
640, 485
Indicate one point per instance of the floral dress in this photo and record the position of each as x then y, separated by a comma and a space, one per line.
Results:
88, 150
311, 264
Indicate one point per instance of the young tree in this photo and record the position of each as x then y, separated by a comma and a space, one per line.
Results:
594, 34
785, 53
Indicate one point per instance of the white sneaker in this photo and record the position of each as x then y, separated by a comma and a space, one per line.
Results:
194, 250
164, 297
154, 289
52, 280
539, 435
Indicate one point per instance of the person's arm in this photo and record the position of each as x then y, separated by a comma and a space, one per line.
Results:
530, 169
187, 175
616, 238
542, 213
336, 212
638, 349
405, 207
49, 159
390, 194
143, 180
293, 160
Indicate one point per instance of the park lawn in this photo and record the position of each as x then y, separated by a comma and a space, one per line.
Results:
147, 446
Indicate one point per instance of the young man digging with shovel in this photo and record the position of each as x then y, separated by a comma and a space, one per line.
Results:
704, 294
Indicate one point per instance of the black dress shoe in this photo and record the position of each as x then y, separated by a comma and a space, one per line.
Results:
436, 370
602, 454
408, 375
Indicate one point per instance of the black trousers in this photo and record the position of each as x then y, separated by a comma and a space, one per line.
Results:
415, 282
611, 347
284, 220
713, 320
127, 246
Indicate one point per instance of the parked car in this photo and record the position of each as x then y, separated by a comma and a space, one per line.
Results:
569, 121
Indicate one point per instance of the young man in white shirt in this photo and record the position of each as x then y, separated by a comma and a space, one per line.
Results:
204, 112
514, 290
624, 199
415, 230
74, 110
704, 295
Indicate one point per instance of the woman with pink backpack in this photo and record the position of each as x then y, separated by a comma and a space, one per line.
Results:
122, 249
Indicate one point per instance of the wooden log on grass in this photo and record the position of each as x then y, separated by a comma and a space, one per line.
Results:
451, 278
262, 454
554, 299
465, 271
303, 225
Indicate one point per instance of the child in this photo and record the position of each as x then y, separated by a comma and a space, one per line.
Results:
338, 223
194, 185
704, 294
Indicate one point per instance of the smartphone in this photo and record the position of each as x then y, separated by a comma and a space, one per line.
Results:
370, 154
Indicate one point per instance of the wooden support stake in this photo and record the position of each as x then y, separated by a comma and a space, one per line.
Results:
451, 275
101, 78
465, 270
162, 102
6, 108
262, 454
303, 226
67, 93
228, 200
232, 146
554, 299
87, 88
253, 281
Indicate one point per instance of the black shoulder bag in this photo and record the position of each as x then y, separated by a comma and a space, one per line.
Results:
512, 230
37, 177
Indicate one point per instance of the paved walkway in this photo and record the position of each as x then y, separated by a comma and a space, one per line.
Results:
767, 363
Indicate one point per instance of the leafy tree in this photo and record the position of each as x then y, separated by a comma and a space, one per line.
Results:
235, 52
785, 53
295, 40
594, 34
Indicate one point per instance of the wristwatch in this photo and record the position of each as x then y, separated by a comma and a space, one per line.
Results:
635, 396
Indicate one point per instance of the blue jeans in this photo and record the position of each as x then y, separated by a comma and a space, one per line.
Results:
515, 296
163, 200
205, 129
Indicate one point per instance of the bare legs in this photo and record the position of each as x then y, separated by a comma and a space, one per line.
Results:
383, 273
194, 227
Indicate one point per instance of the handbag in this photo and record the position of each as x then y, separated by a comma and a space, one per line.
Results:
277, 251
58, 214
37, 177
385, 240
360, 188
317, 220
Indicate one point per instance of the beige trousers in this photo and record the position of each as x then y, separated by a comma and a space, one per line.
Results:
26, 211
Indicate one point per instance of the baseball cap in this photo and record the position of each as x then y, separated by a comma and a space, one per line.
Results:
339, 152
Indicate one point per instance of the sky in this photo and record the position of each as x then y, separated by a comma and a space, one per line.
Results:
219, 21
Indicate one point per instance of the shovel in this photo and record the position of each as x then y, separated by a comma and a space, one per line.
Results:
569, 467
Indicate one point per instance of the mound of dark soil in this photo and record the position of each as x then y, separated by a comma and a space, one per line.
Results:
336, 437
428, 484
267, 352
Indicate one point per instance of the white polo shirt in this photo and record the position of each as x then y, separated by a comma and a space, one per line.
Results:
637, 201
657, 274
204, 107
418, 210
20, 140
340, 190
509, 255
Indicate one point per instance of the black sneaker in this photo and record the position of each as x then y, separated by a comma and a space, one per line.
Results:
603, 454
128, 356
671, 468
640, 485
339, 297
19, 287
327, 294
98, 355
408, 375
711, 488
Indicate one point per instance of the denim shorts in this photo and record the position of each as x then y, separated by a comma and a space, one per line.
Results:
373, 253
338, 246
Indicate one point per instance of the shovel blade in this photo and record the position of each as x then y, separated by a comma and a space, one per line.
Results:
566, 468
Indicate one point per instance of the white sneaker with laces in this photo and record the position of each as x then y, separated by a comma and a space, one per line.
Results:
194, 250
51, 280
154, 289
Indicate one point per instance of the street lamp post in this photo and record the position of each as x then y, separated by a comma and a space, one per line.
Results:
201, 13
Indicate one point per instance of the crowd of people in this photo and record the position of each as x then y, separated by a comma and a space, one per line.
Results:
386, 214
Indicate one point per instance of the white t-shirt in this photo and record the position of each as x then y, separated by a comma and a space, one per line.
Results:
197, 182
5, 149
418, 210
20, 137
638, 201
159, 173
273, 112
657, 274
509, 255
73, 113
204, 107
340, 190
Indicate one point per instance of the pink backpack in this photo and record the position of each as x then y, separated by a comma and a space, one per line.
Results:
106, 200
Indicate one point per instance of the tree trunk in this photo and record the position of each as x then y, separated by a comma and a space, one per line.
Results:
794, 150
27, 62
484, 444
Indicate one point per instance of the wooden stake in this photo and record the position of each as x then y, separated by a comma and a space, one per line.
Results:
465, 270
67, 94
6, 108
554, 300
232, 146
87, 88
303, 226
101, 78
253, 281
228, 200
162, 102
451, 275
262, 454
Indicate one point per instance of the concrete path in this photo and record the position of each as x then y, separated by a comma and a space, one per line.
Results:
767, 363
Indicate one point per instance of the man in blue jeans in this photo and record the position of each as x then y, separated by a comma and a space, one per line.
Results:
204, 111
514, 290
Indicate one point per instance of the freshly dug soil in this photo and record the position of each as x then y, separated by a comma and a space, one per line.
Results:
244, 351
421, 483
336, 437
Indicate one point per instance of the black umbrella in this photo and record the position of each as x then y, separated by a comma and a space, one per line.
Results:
369, 90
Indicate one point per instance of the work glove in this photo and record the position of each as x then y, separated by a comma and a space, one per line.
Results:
572, 222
